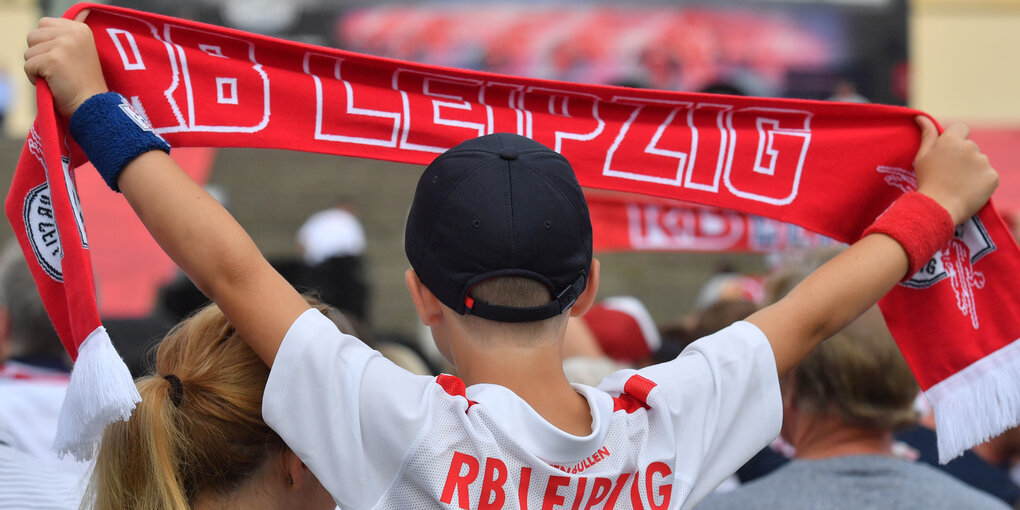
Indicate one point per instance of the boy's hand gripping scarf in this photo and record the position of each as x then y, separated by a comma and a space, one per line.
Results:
828, 167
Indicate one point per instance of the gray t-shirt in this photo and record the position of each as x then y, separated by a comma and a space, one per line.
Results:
854, 482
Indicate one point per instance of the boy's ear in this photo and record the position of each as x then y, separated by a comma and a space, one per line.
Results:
587, 298
428, 306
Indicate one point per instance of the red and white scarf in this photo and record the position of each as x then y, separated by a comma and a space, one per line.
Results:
828, 167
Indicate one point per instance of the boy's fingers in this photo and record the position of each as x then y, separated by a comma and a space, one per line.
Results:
960, 130
41, 35
929, 133
52, 22
80, 17
35, 49
31, 70
35, 59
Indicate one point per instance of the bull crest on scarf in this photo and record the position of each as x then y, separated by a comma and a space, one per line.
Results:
956, 261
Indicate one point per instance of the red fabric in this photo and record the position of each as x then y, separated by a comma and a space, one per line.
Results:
42, 202
639, 387
629, 222
454, 386
635, 395
919, 224
828, 167
628, 403
619, 335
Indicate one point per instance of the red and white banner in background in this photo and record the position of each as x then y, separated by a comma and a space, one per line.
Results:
828, 167
628, 222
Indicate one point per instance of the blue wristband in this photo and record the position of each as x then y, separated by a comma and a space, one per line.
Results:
113, 134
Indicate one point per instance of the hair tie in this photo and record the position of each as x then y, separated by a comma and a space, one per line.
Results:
176, 389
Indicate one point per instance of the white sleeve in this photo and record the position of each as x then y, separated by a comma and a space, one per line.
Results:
348, 413
723, 395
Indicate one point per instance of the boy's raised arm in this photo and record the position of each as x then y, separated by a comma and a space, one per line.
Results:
192, 227
213, 250
952, 171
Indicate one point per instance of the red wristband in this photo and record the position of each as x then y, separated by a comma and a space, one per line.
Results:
919, 224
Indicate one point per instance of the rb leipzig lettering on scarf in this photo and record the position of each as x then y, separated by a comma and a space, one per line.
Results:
681, 144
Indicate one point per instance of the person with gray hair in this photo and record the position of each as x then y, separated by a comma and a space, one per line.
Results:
34, 367
27, 337
841, 405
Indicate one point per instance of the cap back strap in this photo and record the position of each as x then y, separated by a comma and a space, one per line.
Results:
500, 313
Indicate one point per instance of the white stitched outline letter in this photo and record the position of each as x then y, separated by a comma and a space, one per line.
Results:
351, 109
767, 122
226, 90
132, 62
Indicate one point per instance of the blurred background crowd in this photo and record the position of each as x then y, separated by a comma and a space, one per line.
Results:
334, 226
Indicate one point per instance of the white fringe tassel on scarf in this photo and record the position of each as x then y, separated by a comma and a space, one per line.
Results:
100, 392
977, 403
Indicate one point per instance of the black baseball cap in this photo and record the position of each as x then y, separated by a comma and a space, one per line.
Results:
500, 205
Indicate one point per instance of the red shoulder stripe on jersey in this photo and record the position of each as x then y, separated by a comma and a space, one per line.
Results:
627, 403
634, 396
453, 385
639, 387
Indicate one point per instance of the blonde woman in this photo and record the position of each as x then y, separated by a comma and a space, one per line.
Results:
197, 439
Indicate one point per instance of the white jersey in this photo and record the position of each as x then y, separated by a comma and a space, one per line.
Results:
28, 483
379, 437
30, 401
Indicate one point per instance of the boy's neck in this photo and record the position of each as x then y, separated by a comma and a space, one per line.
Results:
536, 375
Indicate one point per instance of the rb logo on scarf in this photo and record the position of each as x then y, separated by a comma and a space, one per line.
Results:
40, 222
956, 261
